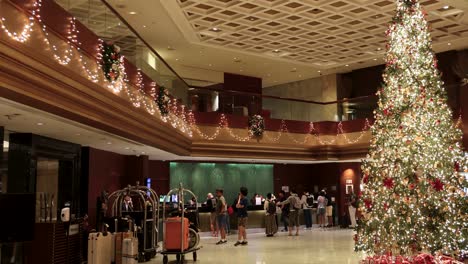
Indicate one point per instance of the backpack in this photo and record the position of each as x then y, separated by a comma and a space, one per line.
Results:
230, 210
296, 202
271, 208
211, 204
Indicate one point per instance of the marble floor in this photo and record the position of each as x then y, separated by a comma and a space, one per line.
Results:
314, 246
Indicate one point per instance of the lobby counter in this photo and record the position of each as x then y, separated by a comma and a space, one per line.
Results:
256, 219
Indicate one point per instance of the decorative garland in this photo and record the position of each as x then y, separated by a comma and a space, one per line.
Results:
111, 61
163, 100
256, 125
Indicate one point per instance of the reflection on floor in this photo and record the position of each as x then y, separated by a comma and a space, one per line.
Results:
317, 246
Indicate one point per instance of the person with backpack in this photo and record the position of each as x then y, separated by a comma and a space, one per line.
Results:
295, 206
321, 208
211, 205
270, 219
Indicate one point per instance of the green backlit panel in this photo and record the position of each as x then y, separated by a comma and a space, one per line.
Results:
202, 178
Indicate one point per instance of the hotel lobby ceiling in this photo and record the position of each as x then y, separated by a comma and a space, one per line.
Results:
324, 33
277, 40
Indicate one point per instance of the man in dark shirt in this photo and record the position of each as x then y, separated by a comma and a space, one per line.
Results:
242, 215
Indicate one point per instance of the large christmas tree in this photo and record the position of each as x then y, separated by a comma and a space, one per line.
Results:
413, 199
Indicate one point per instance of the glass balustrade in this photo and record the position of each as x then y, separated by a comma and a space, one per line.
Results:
107, 25
242, 104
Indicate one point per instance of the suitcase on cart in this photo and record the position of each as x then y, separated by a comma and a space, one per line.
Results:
173, 233
99, 248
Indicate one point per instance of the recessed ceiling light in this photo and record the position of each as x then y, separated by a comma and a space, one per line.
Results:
132, 13
144, 26
379, 48
446, 7
127, 148
319, 71
375, 59
40, 124
143, 152
215, 29
276, 51
449, 43
347, 65
176, 59
109, 143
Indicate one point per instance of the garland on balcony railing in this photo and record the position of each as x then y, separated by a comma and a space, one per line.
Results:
163, 100
110, 59
256, 126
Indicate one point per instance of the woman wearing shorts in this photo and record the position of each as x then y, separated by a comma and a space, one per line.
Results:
321, 208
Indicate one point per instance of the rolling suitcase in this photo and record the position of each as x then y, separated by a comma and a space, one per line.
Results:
99, 248
173, 233
130, 250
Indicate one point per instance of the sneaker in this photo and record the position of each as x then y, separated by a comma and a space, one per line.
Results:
221, 242
237, 243
244, 243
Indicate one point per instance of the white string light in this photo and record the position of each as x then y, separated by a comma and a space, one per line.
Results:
25, 33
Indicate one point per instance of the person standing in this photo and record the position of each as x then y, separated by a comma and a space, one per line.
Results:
211, 205
242, 217
294, 203
321, 208
221, 209
270, 216
284, 210
307, 210
329, 210
352, 202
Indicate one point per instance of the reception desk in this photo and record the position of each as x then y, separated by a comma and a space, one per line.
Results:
256, 219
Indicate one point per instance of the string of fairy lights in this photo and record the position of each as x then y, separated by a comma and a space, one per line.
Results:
178, 116
223, 124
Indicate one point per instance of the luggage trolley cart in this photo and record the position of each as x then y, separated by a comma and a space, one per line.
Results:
180, 236
145, 213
